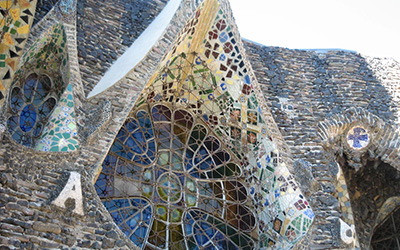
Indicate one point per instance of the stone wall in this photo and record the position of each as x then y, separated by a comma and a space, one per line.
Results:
106, 29
42, 8
304, 88
31, 180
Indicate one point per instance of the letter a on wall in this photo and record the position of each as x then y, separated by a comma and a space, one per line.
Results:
72, 190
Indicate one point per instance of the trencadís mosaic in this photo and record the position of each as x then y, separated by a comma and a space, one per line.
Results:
193, 166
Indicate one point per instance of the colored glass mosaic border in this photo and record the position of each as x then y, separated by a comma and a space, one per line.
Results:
344, 200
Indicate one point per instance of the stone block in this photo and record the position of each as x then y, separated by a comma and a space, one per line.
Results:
46, 227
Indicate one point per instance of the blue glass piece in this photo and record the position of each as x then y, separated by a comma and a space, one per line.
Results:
189, 224
198, 60
223, 86
38, 130
27, 118
139, 222
118, 149
223, 37
17, 136
12, 123
210, 247
103, 185
42, 90
131, 125
161, 113
116, 217
135, 140
152, 149
145, 124
309, 213
247, 79
29, 87
109, 162
277, 193
206, 164
139, 138
134, 144
136, 240
201, 155
204, 227
357, 144
363, 137
46, 108
202, 237
122, 134
133, 221
26, 140
16, 101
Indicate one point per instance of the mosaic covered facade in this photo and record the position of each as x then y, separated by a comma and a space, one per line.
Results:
16, 20
186, 151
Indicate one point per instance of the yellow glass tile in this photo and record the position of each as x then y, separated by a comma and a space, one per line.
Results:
24, 4
5, 4
8, 39
11, 62
14, 14
3, 48
23, 30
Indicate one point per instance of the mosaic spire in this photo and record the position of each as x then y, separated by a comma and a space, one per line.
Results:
37, 86
60, 133
194, 165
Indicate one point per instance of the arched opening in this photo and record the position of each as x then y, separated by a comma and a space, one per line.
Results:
369, 187
386, 234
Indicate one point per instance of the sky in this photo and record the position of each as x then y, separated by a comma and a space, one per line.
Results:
369, 27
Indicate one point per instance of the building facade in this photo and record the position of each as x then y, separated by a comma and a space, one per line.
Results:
152, 125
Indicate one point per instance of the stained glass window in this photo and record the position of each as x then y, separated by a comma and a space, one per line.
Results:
187, 195
30, 104
387, 234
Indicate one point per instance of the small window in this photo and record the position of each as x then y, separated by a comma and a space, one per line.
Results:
30, 105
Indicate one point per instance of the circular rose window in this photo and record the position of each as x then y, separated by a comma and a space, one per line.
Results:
358, 138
